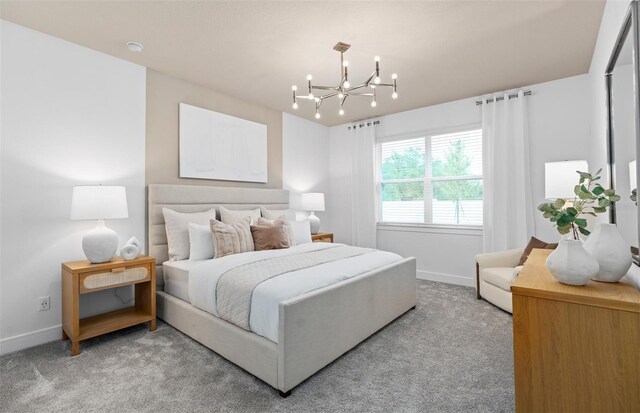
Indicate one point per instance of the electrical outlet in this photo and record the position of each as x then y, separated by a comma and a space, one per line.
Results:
44, 303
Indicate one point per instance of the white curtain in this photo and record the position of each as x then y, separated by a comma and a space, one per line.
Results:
508, 205
363, 186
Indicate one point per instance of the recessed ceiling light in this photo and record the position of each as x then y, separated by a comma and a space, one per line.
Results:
135, 47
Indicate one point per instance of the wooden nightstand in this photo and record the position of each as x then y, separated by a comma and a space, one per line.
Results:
322, 237
81, 277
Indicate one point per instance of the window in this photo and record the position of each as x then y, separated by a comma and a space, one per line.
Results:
434, 179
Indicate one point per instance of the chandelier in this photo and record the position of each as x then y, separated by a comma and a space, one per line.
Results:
344, 89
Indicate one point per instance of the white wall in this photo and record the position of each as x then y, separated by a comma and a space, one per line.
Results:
305, 162
70, 116
559, 127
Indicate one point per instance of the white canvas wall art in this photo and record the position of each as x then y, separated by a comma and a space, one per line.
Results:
218, 146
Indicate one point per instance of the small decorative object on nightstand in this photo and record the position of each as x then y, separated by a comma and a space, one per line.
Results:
81, 277
322, 237
313, 201
99, 203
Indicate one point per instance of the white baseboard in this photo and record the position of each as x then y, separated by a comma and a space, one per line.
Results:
445, 278
26, 340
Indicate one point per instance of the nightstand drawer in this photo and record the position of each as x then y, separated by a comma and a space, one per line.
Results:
111, 278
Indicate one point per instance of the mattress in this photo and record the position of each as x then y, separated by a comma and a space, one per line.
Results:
176, 277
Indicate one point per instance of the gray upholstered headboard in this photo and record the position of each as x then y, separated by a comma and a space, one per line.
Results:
195, 198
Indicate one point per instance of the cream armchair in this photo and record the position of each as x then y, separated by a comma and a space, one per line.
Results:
495, 272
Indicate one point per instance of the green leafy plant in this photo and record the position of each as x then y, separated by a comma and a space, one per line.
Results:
591, 198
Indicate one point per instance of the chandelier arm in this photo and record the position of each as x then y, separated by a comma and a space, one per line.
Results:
305, 97
343, 99
326, 87
384, 84
328, 95
361, 94
370, 78
356, 87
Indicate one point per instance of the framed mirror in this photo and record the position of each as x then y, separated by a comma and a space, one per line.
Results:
623, 99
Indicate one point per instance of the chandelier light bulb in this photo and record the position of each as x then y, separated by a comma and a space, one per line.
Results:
309, 77
373, 104
376, 59
295, 105
394, 95
294, 88
345, 64
317, 99
372, 86
394, 76
340, 95
376, 80
317, 115
347, 84
341, 112
310, 95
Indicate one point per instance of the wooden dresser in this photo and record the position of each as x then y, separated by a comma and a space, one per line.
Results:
576, 349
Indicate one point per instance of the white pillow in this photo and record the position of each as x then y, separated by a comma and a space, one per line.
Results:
177, 226
200, 242
301, 231
274, 214
230, 217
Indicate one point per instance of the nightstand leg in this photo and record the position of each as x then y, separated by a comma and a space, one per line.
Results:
152, 325
75, 348
65, 337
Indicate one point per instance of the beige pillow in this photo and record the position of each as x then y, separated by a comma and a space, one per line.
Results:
271, 235
177, 227
229, 216
231, 239
277, 213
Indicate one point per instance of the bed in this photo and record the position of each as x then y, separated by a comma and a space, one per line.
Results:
311, 330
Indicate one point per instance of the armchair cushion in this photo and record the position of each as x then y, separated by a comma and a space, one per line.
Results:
508, 258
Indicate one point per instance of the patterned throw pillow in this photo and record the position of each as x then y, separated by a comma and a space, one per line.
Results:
271, 235
231, 239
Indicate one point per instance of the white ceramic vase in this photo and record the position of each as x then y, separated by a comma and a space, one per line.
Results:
608, 247
571, 264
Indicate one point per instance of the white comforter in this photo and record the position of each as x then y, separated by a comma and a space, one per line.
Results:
268, 295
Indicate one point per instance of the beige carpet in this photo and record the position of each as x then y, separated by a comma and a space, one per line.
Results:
453, 353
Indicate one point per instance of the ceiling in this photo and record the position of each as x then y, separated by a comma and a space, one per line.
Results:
256, 50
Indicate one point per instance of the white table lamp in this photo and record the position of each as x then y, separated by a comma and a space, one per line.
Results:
99, 203
313, 201
560, 178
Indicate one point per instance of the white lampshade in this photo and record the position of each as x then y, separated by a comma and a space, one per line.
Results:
312, 201
633, 178
99, 202
560, 178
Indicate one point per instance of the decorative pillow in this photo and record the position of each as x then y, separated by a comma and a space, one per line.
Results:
230, 217
274, 214
272, 235
534, 243
200, 242
301, 231
177, 226
270, 222
231, 239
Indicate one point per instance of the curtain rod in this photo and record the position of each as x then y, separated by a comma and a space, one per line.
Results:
511, 96
362, 125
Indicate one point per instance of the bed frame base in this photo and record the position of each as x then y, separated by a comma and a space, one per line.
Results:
314, 329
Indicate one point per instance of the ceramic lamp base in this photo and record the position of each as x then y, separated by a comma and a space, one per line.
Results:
314, 222
100, 244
